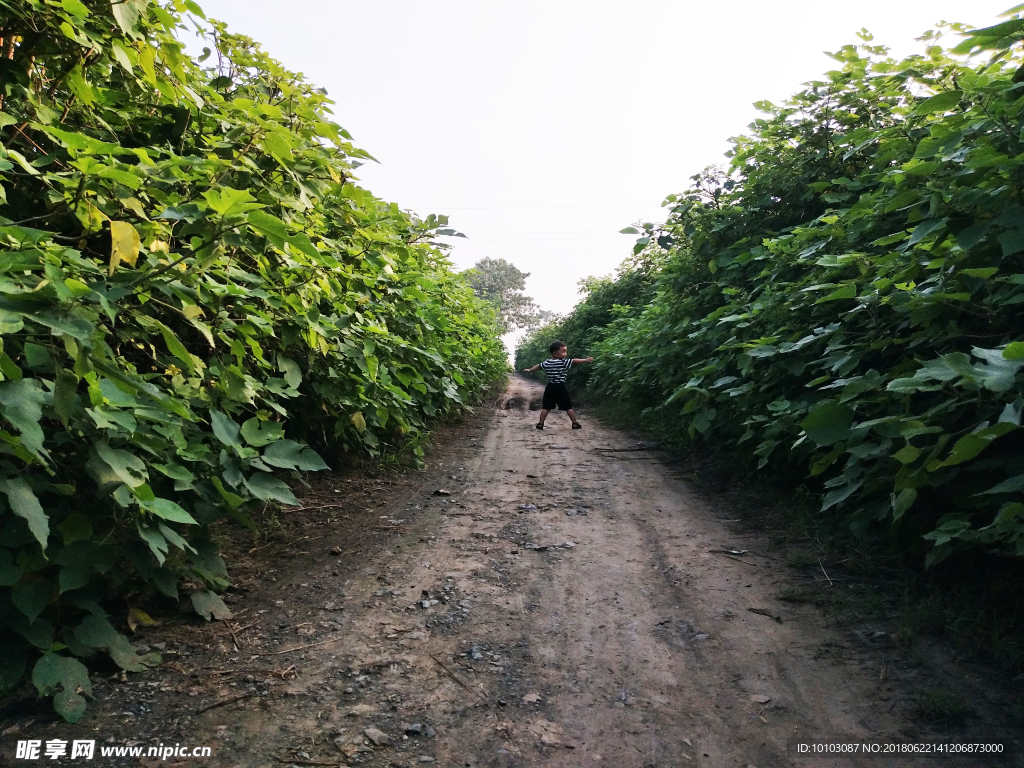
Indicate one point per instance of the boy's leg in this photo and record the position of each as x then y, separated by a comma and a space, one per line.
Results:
543, 415
572, 415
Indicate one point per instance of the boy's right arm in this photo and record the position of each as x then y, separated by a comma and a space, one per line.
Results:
531, 370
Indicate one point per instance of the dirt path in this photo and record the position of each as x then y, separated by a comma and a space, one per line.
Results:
565, 602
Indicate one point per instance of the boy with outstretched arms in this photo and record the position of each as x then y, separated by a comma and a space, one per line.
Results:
556, 393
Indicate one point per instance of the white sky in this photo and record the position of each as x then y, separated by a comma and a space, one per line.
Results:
544, 127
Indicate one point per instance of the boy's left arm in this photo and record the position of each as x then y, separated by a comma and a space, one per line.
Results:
577, 360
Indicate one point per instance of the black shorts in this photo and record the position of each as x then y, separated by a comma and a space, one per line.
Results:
557, 394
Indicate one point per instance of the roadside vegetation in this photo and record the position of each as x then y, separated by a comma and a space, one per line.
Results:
839, 308
197, 303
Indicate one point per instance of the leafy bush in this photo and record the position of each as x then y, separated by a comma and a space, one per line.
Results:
846, 298
196, 301
607, 301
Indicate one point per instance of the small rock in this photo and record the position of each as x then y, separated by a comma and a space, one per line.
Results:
534, 477
760, 698
336, 550
570, 513
413, 729
532, 698
475, 653
442, 492
377, 736
427, 603
302, 755
426, 759
528, 507
877, 635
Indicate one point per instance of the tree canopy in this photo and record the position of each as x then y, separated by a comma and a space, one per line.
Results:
501, 284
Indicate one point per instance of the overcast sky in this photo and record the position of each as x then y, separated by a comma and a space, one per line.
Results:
543, 128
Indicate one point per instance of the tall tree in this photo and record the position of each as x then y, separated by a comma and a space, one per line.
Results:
502, 284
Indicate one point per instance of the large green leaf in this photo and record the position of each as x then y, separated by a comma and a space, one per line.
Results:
225, 428
1013, 485
268, 488
97, 632
126, 14
209, 605
289, 454
24, 503
168, 510
67, 680
939, 103
290, 369
969, 446
828, 424
32, 597
21, 403
258, 434
128, 467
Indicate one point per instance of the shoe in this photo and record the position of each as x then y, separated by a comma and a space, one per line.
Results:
540, 426
577, 425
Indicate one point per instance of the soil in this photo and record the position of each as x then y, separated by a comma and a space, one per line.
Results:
555, 597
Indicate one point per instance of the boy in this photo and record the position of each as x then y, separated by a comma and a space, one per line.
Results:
555, 393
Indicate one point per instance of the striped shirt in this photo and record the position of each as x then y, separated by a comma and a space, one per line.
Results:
556, 369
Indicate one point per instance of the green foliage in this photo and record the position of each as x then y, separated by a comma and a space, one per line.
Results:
843, 302
196, 303
608, 305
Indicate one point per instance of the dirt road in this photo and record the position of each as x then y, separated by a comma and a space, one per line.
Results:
561, 600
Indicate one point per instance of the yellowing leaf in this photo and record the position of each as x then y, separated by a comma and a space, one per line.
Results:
124, 244
137, 616
359, 422
192, 311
